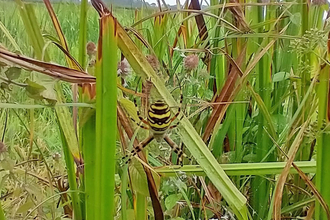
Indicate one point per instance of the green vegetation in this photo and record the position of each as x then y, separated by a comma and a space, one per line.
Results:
254, 120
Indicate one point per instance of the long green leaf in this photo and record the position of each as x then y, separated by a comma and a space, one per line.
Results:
83, 33
323, 139
10, 38
32, 29
2, 214
106, 119
239, 169
69, 161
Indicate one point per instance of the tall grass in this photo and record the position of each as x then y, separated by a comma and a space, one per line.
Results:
262, 67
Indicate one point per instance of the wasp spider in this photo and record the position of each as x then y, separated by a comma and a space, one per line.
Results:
159, 122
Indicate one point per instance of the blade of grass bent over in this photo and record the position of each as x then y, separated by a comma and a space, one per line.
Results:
59, 32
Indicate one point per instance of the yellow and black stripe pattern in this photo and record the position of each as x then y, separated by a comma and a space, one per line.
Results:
159, 121
159, 117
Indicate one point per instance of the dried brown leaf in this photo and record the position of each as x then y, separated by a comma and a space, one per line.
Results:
225, 94
53, 70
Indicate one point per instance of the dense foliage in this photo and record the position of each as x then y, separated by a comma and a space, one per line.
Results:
253, 124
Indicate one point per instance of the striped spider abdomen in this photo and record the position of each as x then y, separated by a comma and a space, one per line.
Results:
159, 119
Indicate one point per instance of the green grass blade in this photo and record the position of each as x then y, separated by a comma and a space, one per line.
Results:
297, 205
66, 124
140, 206
260, 186
10, 38
218, 62
265, 113
83, 33
32, 29
124, 182
2, 214
178, 184
88, 139
240, 169
70, 165
218, 138
106, 119
323, 153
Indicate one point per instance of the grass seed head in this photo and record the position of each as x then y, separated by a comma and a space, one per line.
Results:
91, 48
190, 62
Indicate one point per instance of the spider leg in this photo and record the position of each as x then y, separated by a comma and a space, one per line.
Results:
139, 114
139, 124
179, 110
138, 148
140, 117
176, 149
176, 124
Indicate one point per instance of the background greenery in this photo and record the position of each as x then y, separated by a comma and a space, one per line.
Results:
258, 93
